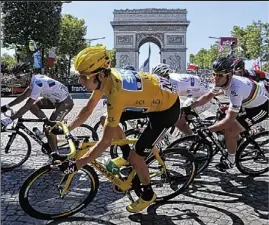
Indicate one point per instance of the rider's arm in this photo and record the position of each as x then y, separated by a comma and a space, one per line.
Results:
21, 97
23, 109
236, 100
203, 100
86, 111
114, 113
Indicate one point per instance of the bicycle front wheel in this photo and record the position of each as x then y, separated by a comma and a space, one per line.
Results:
40, 194
15, 149
180, 172
252, 157
199, 148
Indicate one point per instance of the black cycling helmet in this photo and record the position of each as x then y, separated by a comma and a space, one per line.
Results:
238, 64
129, 67
223, 64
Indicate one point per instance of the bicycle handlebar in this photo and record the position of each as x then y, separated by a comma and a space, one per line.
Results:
68, 136
11, 112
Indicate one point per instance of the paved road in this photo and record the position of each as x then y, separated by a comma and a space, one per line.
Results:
214, 198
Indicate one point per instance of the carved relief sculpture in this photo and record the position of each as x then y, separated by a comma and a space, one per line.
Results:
175, 40
175, 62
124, 40
124, 61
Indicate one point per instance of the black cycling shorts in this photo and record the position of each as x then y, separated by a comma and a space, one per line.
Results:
61, 108
158, 122
252, 116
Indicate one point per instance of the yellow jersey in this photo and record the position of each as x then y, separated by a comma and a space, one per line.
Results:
135, 91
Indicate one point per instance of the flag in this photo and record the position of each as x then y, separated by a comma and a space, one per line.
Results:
228, 40
220, 48
256, 65
145, 65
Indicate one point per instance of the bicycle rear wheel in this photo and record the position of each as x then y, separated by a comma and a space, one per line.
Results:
36, 194
181, 170
15, 149
253, 153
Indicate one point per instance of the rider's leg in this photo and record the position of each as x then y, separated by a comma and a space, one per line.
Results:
37, 112
182, 125
119, 134
62, 109
231, 135
147, 139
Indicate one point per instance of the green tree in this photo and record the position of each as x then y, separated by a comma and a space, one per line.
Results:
8, 60
25, 21
252, 40
191, 59
72, 37
265, 67
111, 55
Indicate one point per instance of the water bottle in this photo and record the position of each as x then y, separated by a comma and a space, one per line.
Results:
38, 133
111, 166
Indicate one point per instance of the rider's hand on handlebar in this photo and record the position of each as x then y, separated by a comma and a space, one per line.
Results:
4, 108
5, 122
186, 110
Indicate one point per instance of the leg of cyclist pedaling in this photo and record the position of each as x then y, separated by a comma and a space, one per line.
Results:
182, 125
119, 134
58, 115
37, 112
231, 134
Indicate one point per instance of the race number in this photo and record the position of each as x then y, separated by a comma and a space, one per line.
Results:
166, 85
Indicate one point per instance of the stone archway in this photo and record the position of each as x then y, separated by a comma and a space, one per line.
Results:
166, 28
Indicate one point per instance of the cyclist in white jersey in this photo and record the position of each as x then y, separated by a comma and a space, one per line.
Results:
187, 85
43, 92
248, 105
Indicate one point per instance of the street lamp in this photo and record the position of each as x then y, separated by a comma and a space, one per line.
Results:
94, 39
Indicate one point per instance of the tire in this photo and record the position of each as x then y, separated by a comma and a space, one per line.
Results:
186, 180
115, 150
26, 193
259, 150
192, 143
26, 150
97, 127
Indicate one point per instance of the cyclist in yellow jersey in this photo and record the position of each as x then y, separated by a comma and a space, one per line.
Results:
130, 95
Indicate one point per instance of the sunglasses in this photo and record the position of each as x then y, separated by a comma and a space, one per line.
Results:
87, 76
220, 75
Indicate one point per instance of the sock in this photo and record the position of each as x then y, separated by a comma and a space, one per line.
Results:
125, 151
147, 192
231, 158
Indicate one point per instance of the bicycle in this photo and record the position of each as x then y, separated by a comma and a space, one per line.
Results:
14, 157
178, 180
208, 144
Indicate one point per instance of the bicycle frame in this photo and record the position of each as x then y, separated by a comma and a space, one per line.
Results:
124, 185
21, 126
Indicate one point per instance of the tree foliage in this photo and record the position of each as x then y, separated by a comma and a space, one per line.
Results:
72, 37
253, 40
25, 21
8, 60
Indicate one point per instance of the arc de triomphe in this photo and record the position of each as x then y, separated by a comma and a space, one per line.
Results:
164, 27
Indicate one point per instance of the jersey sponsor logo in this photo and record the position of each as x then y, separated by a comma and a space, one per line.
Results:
110, 119
131, 80
155, 102
139, 102
51, 83
38, 83
234, 93
135, 109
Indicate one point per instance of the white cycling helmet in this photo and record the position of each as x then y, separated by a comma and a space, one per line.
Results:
162, 70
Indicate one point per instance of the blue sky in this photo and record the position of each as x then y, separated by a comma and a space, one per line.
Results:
206, 19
